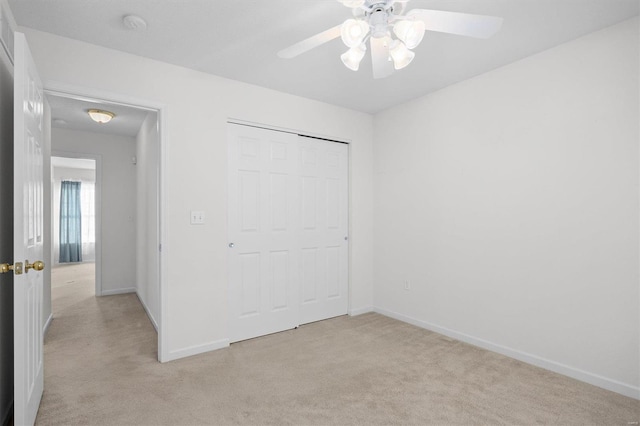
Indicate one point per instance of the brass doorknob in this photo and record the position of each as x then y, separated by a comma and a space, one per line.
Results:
7, 267
38, 265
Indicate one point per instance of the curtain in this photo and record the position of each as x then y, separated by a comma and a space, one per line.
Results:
88, 214
70, 222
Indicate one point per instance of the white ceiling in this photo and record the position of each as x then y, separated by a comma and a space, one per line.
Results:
69, 113
239, 39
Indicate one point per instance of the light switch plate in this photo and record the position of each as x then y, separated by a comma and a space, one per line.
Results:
197, 217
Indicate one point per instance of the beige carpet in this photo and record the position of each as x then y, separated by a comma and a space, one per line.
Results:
101, 368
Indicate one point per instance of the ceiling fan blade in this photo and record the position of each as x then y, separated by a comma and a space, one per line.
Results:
479, 26
382, 66
310, 43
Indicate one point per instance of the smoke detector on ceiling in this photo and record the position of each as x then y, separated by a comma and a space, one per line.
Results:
134, 22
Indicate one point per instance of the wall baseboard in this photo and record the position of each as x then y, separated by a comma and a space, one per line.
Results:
118, 291
566, 370
146, 309
47, 325
197, 349
359, 311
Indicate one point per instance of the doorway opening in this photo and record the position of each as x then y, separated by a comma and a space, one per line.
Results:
119, 163
73, 239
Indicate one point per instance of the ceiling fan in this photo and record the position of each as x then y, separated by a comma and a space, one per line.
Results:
376, 20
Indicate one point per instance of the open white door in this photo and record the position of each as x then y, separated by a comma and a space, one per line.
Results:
28, 234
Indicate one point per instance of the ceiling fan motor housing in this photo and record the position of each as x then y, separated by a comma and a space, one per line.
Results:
385, 4
378, 15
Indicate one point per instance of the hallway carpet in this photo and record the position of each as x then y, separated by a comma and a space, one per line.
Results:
101, 369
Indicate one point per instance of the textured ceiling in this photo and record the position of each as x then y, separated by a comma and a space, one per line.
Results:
70, 113
239, 39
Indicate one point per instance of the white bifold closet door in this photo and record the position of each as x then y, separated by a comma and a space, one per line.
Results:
288, 227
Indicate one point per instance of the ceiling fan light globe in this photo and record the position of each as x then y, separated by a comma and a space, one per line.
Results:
352, 57
411, 32
352, 3
400, 54
353, 31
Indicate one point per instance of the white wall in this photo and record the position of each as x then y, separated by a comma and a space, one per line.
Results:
118, 202
198, 106
147, 154
60, 174
510, 203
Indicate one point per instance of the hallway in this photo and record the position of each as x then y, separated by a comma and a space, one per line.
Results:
91, 345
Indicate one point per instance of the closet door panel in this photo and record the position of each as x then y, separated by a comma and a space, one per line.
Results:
263, 227
324, 188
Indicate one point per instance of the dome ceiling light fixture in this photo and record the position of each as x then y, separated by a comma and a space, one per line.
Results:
378, 21
100, 116
134, 23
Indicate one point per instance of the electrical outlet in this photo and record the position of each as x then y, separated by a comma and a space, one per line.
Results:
407, 285
197, 217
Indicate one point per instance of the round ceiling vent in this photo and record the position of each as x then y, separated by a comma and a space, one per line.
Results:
134, 22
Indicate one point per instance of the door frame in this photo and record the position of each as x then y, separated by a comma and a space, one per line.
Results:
98, 212
61, 89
